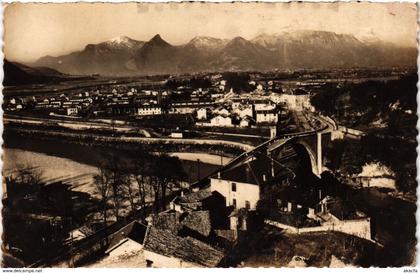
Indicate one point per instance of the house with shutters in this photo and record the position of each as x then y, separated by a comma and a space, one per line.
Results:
241, 185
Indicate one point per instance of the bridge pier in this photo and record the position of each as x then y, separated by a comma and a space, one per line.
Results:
319, 153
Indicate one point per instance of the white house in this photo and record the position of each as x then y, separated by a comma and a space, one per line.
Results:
147, 110
202, 114
246, 121
238, 194
264, 106
240, 186
72, 111
296, 101
220, 120
177, 134
244, 111
266, 116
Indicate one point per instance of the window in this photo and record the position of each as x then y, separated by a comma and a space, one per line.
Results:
234, 202
247, 204
234, 187
149, 263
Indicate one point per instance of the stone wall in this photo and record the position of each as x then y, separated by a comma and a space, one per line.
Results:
359, 228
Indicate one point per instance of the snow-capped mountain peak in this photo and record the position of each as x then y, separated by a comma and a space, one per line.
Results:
120, 39
123, 42
207, 42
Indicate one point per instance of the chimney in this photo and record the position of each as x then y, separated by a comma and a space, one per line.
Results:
320, 194
218, 175
182, 193
264, 177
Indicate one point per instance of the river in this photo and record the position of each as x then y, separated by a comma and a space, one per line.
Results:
77, 164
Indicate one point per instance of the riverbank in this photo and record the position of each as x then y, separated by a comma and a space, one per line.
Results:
87, 156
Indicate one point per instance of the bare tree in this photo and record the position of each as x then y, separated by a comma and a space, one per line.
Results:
128, 180
103, 186
116, 185
143, 175
168, 171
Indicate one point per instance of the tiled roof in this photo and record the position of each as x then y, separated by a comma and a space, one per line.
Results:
166, 220
198, 221
173, 221
187, 249
195, 196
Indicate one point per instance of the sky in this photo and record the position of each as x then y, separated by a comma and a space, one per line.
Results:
35, 30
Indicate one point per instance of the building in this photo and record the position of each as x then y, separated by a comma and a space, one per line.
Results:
71, 111
149, 110
305, 212
223, 121
176, 239
244, 111
189, 107
192, 201
242, 185
155, 245
266, 116
262, 104
239, 193
162, 248
202, 114
246, 121
298, 100
177, 134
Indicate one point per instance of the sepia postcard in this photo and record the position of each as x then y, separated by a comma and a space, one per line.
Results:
203, 135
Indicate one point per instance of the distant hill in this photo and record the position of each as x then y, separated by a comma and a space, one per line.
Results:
287, 50
19, 74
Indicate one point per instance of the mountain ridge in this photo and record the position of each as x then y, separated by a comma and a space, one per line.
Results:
287, 50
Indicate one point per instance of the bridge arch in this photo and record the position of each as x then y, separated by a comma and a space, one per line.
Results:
304, 147
307, 155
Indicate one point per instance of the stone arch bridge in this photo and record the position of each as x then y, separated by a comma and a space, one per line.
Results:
304, 144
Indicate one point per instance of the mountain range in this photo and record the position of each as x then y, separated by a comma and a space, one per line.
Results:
123, 56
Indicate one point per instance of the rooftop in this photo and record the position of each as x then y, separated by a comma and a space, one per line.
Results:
253, 170
195, 196
188, 249
173, 221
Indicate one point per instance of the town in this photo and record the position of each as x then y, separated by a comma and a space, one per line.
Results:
202, 135
277, 181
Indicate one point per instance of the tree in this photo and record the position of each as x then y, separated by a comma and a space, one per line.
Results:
117, 180
168, 170
127, 183
103, 185
142, 175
